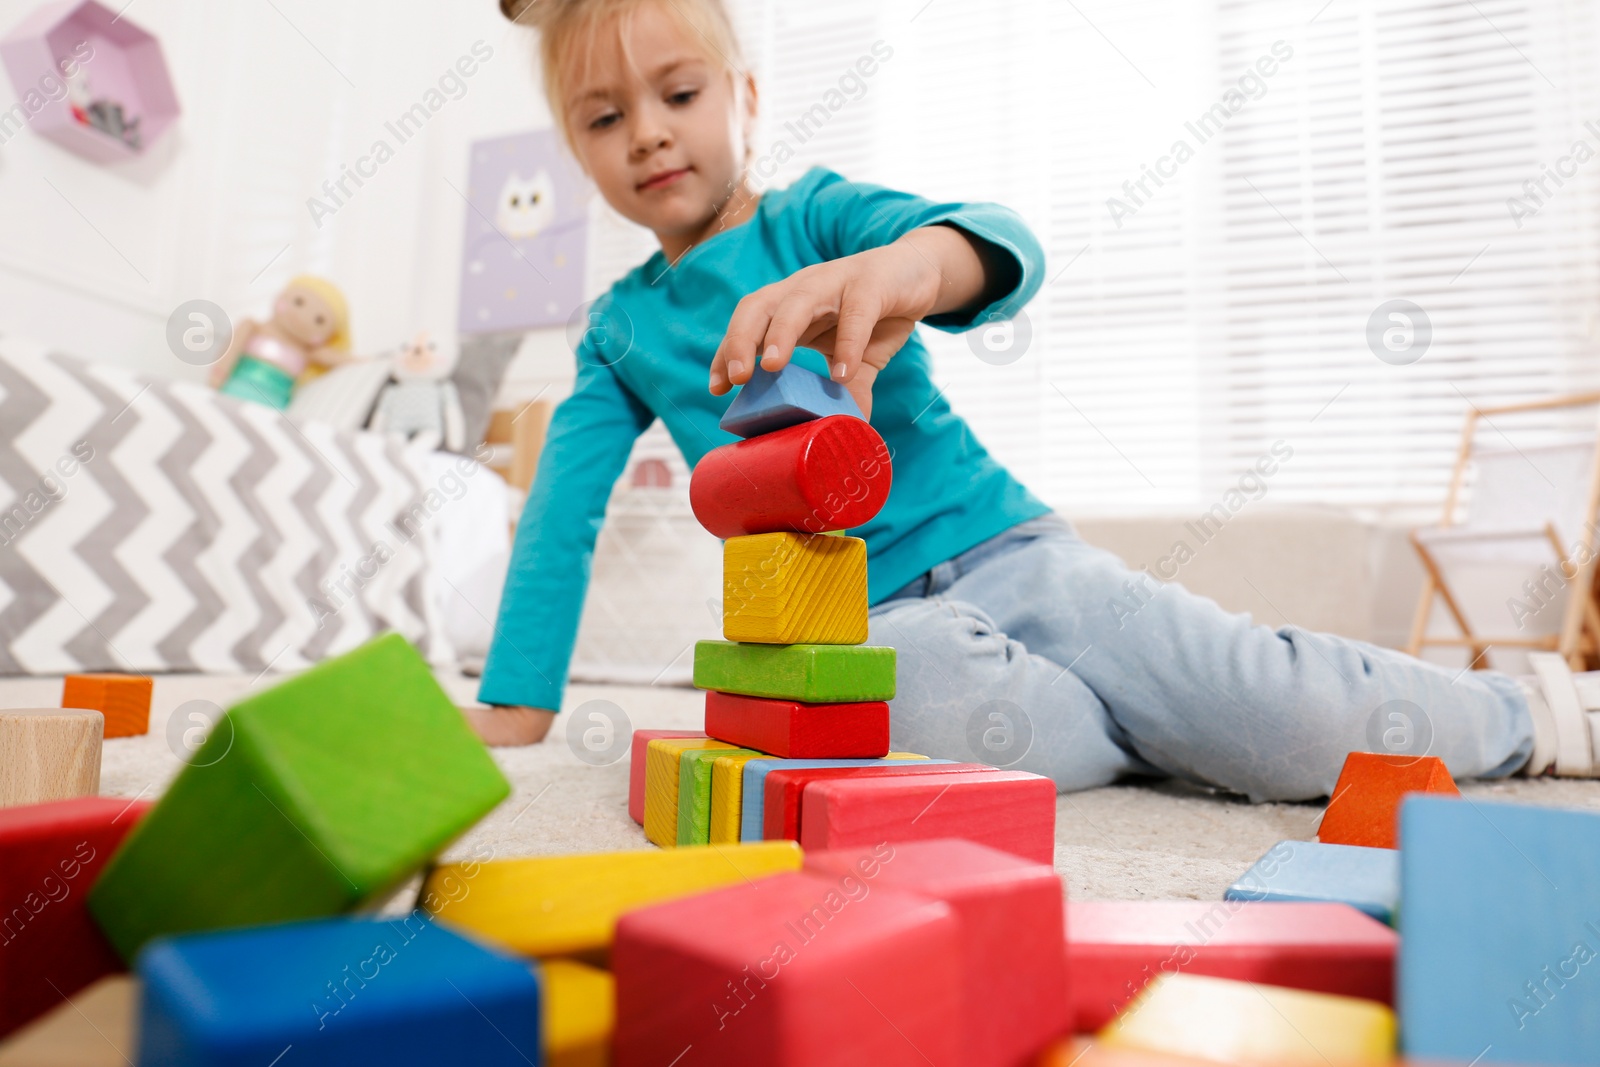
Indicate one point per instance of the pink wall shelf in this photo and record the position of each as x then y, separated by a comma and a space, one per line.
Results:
93, 83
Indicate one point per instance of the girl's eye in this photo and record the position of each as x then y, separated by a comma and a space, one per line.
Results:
605, 120
320, 320
299, 301
684, 97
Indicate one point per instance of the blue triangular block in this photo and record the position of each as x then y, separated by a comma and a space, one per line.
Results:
773, 400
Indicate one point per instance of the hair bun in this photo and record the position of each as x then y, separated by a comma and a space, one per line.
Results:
514, 9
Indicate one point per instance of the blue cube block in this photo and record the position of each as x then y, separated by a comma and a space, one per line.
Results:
753, 788
1367, 879
1500, 923
336, 991
770, 401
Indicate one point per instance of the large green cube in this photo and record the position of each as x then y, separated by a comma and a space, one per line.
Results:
816, 674
306, 800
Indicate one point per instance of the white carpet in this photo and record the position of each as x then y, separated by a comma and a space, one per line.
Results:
1135, 842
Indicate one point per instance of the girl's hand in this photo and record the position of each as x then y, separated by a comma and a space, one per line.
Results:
857, 311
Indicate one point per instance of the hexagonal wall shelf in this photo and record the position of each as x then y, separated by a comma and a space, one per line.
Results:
92, 82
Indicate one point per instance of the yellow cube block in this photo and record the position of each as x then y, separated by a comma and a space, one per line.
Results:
792, 589
569, 905
580, 1010
1249, 1024
661, 759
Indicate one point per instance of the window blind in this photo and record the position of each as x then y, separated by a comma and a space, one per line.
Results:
1232, 196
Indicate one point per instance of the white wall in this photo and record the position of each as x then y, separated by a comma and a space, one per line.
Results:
276, 96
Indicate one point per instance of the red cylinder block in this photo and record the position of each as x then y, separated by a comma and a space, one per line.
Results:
825, 474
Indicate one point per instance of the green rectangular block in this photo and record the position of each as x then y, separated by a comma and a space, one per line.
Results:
813, 673
306, 800
694, 792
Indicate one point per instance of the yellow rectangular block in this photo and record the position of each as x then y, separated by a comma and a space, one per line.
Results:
95, 1028
661, 785
568, 905
727, 789
1252, 1025
793, 589
580, 1012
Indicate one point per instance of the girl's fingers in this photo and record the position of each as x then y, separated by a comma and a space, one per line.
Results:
860, 388
737, 354
858, 319
795, 317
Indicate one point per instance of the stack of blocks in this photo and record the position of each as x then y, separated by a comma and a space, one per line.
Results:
796, 740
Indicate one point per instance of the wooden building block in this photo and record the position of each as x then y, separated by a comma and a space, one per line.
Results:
826, 474
1367, 879
124, 699
727, 796
1365, 809
48, 754
1252, 1025
753, 794
816, 674
307, 799
579, 1014
790, 588
92, 1029
50, 854
636, 765
773, 400
789, 971
1010, 810
1083, 1052
694, 791
1501, 915
785, 789
1012, 965
661, 777
337, 991
569, 905
791, 729
1115, 947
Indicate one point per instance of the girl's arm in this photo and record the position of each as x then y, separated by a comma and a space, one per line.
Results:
891, 260
590, 436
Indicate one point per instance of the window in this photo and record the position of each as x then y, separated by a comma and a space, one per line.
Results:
1232, 196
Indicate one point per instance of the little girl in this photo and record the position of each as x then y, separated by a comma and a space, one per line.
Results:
1014, 641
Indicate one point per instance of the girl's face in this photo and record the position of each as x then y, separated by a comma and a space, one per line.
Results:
665, 143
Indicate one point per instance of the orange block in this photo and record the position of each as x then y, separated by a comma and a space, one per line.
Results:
1365, 809
124, 699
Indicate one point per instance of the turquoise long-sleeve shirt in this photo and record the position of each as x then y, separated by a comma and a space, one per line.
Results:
648, 356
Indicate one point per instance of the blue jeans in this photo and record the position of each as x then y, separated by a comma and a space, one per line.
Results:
1039, 652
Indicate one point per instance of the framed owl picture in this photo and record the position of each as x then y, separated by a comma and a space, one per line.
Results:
526, 234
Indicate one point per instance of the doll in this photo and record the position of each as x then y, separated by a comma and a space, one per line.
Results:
420, 403
309, 327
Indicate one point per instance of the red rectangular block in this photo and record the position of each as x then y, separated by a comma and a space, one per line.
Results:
1365, 807
792, 729
1010, 810
785, 790
1011, 924
1115, 947
789, 971
641, 741
50, 854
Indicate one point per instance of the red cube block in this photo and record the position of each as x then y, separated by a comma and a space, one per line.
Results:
1011, 924
50, 854
826, 474
1115, 947
792, 729
787, 971
641, 741
785, 790
1010, 810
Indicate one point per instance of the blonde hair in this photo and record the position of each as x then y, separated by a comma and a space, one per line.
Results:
568, 30
340, 338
